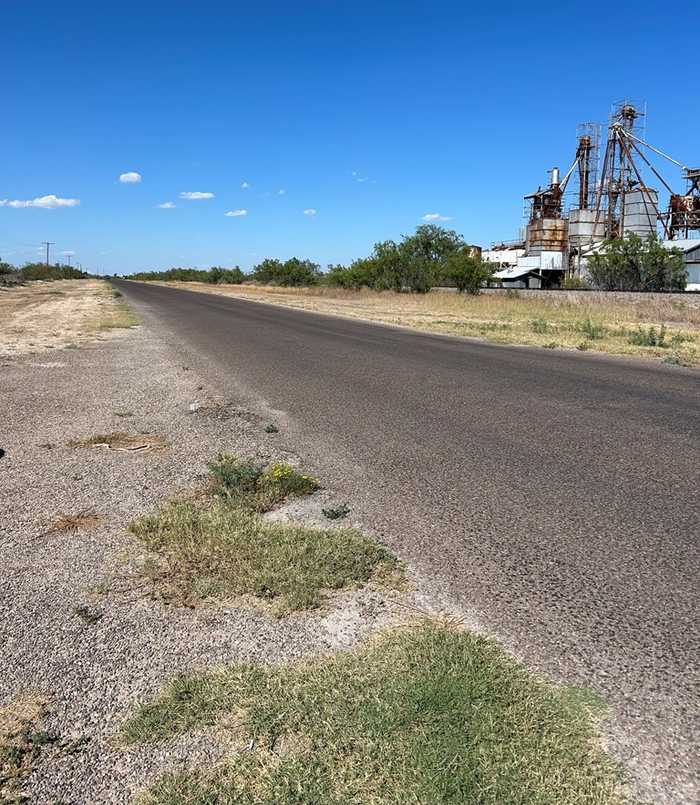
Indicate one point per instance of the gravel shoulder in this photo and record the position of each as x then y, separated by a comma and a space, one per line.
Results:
92, 669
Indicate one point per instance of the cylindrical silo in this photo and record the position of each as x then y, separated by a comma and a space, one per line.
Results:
641, 211
583, 228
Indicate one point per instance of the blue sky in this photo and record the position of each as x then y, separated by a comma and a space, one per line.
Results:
373, 115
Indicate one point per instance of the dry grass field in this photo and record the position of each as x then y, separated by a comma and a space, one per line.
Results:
658, 327
62, 314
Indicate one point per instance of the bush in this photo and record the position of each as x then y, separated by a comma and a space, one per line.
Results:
6, 268
292, 273
467, 272
592, 330
40, 271
633, 264
649, 338
214, 275
575, 283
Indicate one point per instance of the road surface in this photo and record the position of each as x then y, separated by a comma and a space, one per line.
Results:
552, 497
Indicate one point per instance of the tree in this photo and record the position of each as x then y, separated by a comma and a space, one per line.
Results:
6, 268
633, 264
293, 272
433, 243
468, 272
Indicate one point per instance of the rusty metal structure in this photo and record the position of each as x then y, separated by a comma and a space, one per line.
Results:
624, 202
617, 203
683, 216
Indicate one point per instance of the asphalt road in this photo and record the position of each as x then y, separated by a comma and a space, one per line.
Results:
552, 497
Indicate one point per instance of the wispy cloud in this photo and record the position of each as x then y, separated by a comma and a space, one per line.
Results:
50, 202
236, 213
362, 179
130, 177
245, 185
310, 211
435, 216
166, 205
195, 195
282, 192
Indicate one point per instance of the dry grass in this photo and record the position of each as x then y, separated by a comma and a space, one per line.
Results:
21, 740
558, 320
124, 442
74, 522
223, 551
58, 315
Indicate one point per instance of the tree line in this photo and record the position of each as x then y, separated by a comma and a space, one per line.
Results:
40, 271
430, 257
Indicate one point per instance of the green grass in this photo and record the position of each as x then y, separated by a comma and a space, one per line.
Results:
246, 483
427, 714
225, 550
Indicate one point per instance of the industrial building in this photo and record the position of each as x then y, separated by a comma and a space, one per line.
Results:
565, 226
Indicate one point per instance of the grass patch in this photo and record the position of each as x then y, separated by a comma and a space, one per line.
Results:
21, 741
129, 442
427, 714
74, 522
225, 550
244, 482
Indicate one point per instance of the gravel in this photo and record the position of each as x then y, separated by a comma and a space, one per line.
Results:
95, 655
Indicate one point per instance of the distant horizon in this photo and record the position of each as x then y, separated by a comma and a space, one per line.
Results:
143, 138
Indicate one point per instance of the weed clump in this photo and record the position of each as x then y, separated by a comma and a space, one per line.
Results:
592, 330
650, 337
21, 741
247, 483
336, 512
540, 326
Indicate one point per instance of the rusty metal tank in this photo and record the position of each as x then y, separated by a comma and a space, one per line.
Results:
547, 235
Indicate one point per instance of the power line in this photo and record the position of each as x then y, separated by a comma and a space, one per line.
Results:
48, 244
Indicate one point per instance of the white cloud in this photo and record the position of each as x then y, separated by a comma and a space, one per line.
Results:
196, 195
50, 202
245, 185
131, 177
281, 192
166, 205
310, 211
435, 216
236, 213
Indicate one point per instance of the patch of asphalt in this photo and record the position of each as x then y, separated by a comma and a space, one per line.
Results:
95, 668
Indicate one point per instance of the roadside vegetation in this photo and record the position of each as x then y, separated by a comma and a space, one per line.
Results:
219, 546
21, 742
11, 275
423, 713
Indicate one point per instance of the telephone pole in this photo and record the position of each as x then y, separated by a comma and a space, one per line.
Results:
48, 244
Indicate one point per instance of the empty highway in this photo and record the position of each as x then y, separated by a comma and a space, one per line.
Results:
551, 497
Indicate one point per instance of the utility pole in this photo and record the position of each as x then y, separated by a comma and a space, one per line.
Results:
47, 243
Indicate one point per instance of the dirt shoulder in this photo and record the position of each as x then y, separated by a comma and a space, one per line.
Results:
42, 316
651, 326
